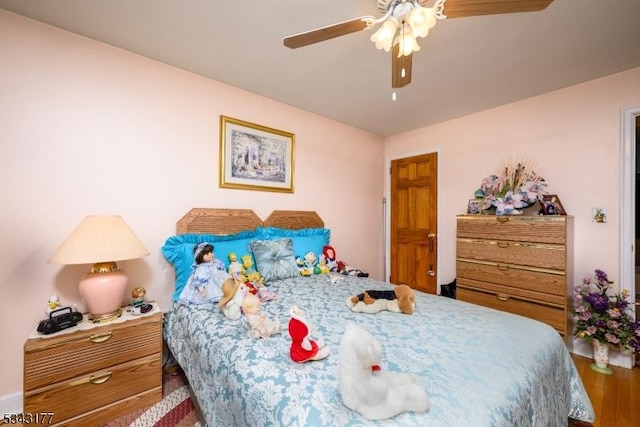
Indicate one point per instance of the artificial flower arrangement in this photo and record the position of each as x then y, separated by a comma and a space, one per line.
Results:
515, 188
604, 316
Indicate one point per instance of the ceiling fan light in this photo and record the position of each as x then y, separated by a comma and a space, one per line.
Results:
407, 44
383, 38
421, 20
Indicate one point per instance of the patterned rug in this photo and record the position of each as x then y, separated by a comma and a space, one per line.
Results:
176, 409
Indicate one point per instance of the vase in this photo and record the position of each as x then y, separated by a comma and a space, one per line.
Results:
601, 357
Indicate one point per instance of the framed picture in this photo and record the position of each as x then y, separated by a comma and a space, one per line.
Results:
255, 157
474, 206
550, 205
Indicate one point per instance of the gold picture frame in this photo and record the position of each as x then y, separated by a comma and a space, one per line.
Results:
255, 157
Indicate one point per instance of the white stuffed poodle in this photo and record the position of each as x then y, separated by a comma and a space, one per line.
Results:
366, 388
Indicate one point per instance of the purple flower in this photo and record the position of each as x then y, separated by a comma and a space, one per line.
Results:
598, 301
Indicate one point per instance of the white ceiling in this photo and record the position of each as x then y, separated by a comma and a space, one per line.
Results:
465, 65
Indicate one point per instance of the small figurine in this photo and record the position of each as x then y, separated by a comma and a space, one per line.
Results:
235, 268
53, 304
303, 347
259, 325
137, 296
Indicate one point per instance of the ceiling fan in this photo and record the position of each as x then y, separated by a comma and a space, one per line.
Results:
403, 21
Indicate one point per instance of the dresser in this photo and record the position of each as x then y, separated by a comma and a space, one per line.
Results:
519, 264
95, 374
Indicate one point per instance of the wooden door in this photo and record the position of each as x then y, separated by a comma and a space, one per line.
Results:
413, 227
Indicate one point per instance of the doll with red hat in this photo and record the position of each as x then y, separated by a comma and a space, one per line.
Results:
303, 347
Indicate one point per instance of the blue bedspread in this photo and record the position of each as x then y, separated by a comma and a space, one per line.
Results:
479, 367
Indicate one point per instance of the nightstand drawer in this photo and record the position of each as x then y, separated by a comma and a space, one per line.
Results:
51, 360
553, 316
101, 387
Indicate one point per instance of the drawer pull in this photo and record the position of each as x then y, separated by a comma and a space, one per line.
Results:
503, 244
502, 219
503, 267
98, 338
100, 379
503, 297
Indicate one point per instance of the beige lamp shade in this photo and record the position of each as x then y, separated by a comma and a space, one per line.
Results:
101, 240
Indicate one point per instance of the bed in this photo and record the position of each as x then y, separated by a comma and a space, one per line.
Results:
479, 367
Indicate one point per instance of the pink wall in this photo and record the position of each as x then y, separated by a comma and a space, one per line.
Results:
86, 128
574, 137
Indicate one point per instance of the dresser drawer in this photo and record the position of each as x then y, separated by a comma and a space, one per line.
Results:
553, 316
551, 282
542, 229
51, 360
541, 255
101, 387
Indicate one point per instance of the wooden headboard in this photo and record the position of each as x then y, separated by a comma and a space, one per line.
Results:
230, 221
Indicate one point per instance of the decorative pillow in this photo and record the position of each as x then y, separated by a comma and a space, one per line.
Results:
274, 258
304, 240
178, 250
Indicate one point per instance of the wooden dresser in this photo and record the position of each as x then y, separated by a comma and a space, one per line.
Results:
91, 376
518, 264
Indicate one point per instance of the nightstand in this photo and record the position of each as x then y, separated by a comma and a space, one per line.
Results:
97, 372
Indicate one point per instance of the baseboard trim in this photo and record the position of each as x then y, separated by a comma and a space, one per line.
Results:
11, 404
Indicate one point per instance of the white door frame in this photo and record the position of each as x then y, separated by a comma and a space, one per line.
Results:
627, 204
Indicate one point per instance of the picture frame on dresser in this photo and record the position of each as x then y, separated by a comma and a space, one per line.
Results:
255, 157
474, 207
551, 205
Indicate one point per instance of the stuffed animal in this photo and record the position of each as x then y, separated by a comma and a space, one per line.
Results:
367, 388
252, 275
233, 293
303, 347
259, 325
400, 300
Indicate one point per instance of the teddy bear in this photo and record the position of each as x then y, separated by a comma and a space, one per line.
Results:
303, 347
259, 325
365, 387
401, 299
233, 293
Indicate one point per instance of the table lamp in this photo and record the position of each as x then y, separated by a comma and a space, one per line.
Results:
101, 240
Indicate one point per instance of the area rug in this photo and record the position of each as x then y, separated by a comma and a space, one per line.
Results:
176, 409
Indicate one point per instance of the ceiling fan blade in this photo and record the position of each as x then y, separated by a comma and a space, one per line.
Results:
328, 32
398, 78
463, 8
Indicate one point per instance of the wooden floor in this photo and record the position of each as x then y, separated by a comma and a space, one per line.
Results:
615, 398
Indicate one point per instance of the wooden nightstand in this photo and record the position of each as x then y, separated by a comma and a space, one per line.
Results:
97, 373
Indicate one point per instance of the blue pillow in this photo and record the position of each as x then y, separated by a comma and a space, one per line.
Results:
275, 259
178, 250
304, 240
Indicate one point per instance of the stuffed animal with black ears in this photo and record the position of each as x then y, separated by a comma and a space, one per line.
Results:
401, 299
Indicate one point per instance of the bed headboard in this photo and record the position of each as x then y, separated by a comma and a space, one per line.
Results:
229, 221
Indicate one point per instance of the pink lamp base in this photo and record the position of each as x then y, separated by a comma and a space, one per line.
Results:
103, 294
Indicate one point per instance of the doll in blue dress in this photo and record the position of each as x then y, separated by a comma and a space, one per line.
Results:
204, 285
